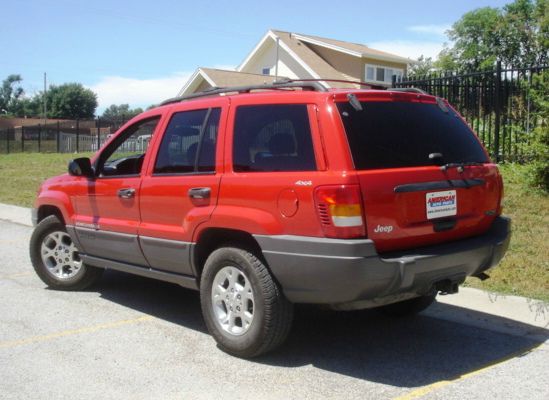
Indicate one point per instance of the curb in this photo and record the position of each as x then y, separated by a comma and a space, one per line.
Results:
15, 214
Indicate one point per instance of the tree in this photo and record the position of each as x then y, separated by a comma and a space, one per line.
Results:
476, 38
517, 35
424, 66
522, 37
71, 100
10, 92
121, 112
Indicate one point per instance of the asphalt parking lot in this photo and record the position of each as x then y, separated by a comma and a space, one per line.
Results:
133, 338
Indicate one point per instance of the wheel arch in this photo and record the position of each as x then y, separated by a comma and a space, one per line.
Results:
211, 239
46, 210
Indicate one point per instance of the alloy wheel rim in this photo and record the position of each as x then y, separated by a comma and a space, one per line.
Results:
233, 300
60, 255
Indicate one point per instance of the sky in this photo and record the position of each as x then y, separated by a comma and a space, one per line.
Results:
142, 52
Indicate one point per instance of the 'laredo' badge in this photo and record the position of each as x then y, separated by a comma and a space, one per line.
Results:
441, 204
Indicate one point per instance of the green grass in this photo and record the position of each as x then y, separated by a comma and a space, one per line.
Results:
22, 173
524, 271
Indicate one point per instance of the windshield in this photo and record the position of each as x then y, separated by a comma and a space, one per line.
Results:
403, 134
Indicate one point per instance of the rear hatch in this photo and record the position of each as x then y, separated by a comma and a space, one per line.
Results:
424, 176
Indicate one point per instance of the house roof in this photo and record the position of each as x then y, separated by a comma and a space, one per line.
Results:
225, 78
356, 49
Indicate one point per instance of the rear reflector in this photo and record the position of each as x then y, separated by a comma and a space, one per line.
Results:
340, 211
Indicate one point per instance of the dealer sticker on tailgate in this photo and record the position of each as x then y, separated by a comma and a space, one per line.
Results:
441, 204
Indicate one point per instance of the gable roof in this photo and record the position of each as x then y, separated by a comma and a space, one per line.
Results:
224, 78
354, 49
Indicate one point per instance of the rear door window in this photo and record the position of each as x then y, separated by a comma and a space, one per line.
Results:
403, 134
273, 138
189, 143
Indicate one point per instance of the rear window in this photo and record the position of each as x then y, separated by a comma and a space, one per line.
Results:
403, 134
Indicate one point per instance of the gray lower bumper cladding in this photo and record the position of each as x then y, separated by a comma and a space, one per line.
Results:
337, 272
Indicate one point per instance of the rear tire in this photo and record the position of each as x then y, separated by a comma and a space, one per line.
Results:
243, 307
56, 260
409, 307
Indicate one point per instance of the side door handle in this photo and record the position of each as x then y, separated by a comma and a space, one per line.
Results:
201, 193
127, 193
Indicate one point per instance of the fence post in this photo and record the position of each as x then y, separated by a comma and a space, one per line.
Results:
497, 107
57, 138
22, 139
77, 134
8, 139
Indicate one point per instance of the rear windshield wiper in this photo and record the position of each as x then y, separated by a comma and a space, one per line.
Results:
460, 166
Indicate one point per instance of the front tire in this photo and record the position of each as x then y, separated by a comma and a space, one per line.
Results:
56, 260
243, 307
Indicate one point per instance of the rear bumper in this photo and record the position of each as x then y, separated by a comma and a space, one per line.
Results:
334, 271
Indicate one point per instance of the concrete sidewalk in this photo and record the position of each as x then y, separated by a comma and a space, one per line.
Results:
15, 214
531, 316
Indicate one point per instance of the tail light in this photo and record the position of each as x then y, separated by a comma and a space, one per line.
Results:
340, 211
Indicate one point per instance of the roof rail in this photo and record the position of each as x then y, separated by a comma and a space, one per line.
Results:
409, 89
313, 86
287, 80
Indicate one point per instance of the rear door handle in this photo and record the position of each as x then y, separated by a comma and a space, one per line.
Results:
200, 193
127, 193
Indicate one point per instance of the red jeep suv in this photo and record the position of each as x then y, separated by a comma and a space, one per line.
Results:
264, 196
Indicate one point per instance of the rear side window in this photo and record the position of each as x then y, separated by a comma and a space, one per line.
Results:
189, 142
403, 134
273, 138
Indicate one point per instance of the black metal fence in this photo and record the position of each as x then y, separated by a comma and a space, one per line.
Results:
496, 103
66, 136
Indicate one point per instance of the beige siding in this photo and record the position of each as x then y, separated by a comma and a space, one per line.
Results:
266, 57
203, 86
382, 64
345, 63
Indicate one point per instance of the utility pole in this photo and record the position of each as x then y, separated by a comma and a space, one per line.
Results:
45, 102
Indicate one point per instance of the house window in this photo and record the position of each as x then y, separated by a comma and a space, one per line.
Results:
266, 71
379, 74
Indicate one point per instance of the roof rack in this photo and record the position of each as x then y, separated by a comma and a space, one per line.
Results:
287, 80
285, 84
409, 89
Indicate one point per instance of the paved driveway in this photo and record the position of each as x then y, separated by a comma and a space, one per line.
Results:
133, 338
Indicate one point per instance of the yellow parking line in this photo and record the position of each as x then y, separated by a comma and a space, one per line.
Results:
422, 391
70, 332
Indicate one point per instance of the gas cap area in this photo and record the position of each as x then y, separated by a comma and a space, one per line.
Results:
288, 203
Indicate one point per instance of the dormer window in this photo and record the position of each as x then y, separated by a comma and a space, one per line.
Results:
379, 74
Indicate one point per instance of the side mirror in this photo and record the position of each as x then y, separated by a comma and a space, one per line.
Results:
81, 167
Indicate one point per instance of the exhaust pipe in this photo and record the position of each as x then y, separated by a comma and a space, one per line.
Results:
447, 287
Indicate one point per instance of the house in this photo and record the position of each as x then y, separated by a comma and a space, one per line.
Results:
291, 55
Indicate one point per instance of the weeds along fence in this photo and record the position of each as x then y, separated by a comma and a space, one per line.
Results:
496, 103
67, 136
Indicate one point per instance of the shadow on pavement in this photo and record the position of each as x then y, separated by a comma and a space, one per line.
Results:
405, 352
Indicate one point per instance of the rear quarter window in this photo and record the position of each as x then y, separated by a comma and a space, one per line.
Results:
403, 134
272, 138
